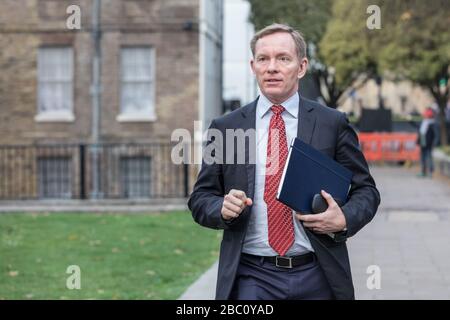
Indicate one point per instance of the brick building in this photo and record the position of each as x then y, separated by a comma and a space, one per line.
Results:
160, 70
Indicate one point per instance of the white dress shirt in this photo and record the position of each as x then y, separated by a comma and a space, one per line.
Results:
256, 240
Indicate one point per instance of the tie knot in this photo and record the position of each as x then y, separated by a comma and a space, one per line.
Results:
277, 109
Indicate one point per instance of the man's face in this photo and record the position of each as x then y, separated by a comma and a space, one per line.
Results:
277, 67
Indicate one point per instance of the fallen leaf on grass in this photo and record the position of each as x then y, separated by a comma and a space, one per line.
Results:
13, 273
72, 237
95, 242
178, 251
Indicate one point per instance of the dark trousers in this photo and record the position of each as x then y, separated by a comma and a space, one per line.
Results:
426, 160
260, 280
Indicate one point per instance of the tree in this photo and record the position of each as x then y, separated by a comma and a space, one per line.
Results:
413, 43
347, 46
310, 17
416, 46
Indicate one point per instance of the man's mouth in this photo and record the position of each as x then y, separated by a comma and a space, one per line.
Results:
273, 80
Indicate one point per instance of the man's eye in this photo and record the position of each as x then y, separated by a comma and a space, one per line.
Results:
285, 59
261, 59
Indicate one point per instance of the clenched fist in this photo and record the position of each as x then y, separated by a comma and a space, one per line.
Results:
233, 204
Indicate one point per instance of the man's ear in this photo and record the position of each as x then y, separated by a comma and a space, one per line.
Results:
252, 62
303, 68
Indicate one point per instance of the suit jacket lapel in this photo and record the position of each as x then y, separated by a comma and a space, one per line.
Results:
306, 120
249, 122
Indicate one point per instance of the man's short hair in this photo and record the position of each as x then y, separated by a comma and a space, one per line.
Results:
300, 43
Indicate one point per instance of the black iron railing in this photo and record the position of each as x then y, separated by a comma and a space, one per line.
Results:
136, 171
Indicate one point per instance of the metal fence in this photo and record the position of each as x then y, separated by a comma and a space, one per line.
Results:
121, 171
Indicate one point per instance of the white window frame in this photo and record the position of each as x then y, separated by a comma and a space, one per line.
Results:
55, 115
149, 114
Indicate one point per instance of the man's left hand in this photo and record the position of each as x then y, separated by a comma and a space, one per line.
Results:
331, 220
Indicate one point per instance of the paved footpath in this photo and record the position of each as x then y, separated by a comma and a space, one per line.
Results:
408, 240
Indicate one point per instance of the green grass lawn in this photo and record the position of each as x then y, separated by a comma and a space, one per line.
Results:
121, 256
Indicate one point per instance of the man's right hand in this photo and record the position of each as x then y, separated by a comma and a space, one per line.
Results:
233, 204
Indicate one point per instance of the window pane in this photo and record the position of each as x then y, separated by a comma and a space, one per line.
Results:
136, 97
55, 73
137, 83
54, 177
135, 177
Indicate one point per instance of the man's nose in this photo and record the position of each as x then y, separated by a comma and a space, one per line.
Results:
273, 66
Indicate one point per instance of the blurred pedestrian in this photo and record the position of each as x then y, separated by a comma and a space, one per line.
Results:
427, 139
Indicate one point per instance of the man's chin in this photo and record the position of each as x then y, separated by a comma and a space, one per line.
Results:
274, 96
273, 92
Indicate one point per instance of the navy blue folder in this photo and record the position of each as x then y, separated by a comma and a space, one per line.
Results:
307, 171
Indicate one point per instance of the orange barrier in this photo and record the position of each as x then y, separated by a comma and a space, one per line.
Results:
393, 147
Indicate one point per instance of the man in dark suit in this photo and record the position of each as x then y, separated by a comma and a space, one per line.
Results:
269, 251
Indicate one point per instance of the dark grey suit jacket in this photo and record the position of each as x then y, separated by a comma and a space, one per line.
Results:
325, 129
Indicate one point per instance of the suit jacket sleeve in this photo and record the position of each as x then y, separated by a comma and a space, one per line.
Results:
207, 197
364, 197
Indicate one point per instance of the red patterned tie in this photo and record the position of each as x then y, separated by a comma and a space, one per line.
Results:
279, 216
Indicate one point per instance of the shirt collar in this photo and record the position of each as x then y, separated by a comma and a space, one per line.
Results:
291, 105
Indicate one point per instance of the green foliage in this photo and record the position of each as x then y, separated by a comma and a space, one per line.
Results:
309, 17
121, 256
336, 50
347, 43
415, 43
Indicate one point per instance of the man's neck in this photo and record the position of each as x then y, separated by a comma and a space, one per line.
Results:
279, 101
